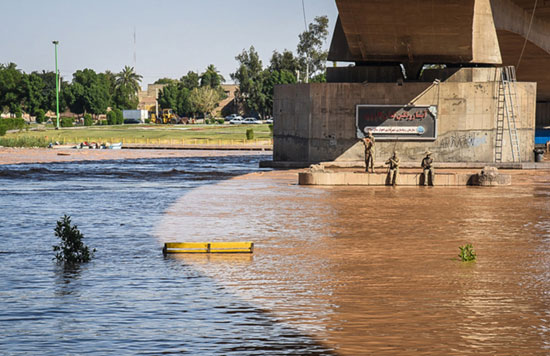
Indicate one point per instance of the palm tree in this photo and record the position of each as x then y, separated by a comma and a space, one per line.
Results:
129, 79
127, 83
211, 77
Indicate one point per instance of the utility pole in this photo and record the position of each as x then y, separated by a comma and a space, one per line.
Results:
307, 55
156, 103
56, 86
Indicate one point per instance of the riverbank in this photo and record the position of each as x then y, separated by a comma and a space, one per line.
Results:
41, 155
143, 135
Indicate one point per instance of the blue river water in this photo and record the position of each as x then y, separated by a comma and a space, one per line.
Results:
129, 300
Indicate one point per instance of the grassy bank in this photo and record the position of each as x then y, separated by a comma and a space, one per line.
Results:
141, 134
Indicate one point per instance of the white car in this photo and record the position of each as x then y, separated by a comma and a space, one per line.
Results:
251, 120
269, 121
236, 121
233, 117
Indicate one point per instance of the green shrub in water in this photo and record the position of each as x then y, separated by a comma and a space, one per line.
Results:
71, 248
467, 253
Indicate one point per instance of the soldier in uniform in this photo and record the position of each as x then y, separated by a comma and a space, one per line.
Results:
368, 142
427, 167
393, 172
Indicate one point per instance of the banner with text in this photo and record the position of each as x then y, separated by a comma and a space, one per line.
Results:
395, 122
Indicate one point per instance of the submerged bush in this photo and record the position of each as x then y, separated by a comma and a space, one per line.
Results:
467, 253
71, 248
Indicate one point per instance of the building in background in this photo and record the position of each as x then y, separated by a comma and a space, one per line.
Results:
148, 99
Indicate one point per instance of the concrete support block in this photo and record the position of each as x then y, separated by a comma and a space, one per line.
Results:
405, 179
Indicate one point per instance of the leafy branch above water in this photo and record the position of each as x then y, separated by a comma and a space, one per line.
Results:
71, 249
467, 253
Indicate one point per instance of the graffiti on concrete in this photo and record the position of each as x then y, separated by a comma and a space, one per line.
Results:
463, 140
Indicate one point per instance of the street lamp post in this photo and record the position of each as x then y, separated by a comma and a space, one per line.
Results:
56, 85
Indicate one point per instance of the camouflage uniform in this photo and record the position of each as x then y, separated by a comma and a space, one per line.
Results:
427, 168
393, 173
369, 142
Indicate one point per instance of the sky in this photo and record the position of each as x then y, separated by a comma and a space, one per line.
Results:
172, 36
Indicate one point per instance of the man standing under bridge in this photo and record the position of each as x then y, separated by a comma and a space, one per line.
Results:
427, 167
369, 142
393, 172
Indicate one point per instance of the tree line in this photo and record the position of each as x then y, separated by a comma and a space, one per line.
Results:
256, 83
88, 92
93, 93
194, 93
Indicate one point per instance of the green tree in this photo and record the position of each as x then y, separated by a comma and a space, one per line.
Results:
168, 96
284, 61
191, 80
211, 77
274, 78
311, 51
11, 86
127, 88
33, 98
48, 91
108, 79
204, 100
250, 77
165, 81
88, 93
176, 96
256, 84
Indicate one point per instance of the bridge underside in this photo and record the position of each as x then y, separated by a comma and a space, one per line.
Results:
385, 33
444, 56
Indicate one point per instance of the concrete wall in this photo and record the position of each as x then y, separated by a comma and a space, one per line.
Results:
316, 122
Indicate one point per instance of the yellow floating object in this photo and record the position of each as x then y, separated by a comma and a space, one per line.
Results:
208, 247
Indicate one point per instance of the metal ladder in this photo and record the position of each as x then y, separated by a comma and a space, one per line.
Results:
507, 108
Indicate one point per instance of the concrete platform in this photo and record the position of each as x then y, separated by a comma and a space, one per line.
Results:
381, 179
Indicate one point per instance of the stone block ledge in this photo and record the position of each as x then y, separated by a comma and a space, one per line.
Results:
382, 179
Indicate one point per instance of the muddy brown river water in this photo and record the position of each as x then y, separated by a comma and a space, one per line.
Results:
374, 270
